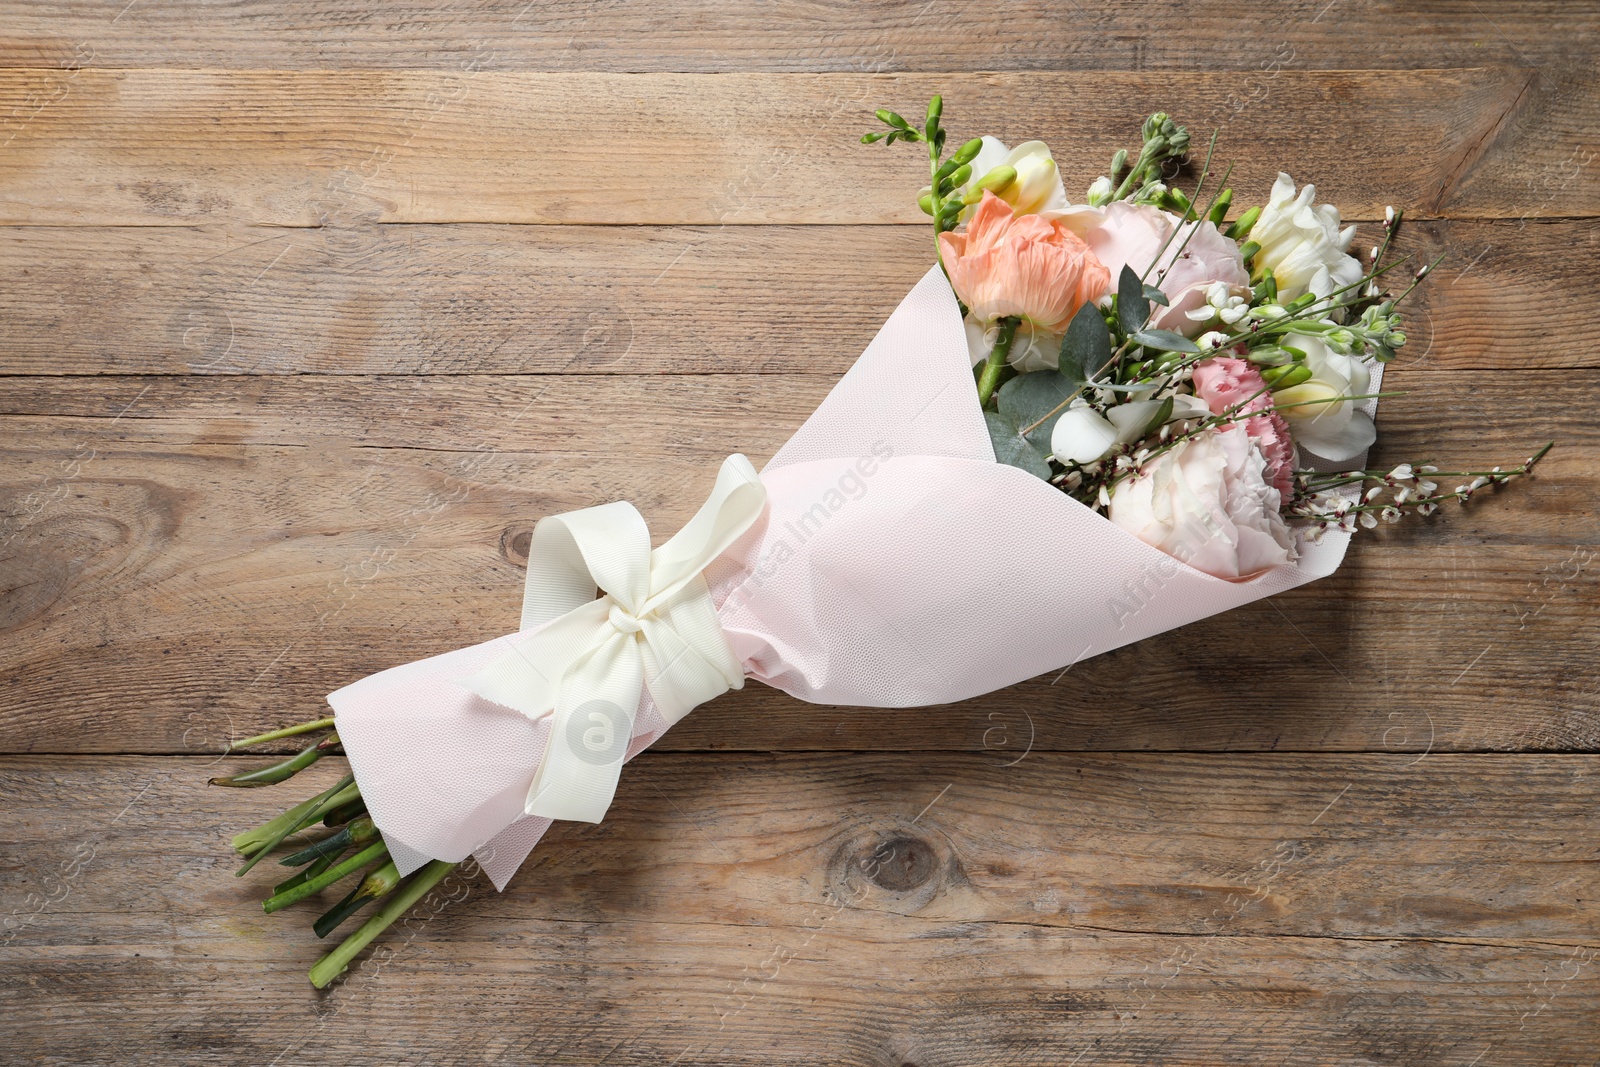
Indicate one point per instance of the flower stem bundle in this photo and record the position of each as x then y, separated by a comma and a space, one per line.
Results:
324, 863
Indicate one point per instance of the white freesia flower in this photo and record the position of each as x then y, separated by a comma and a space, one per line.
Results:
1037, 189
1334, 429
1207, 502
1301, 243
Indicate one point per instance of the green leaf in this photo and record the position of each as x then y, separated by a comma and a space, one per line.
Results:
1159, 419
1011, 448
1027, 398
1165, 341
1155, 296
1133, 310
1086, 346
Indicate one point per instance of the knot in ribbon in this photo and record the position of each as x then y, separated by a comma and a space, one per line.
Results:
585, 661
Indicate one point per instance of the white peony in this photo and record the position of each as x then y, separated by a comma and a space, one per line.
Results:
1207, 502
1334, 429
1301, 243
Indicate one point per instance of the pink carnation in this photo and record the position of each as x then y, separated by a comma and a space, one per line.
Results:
1223, 382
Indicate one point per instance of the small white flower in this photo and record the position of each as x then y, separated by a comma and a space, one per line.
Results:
1427, 509
1401, 473
1427, 488
1372, 494
1479, 483
1211, 339
1100, 192
1367, 520
1390, 514
1402, 495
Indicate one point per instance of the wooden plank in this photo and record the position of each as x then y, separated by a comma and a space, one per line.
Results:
134, 147
377, 299
878, 36
240, 547
1180, 909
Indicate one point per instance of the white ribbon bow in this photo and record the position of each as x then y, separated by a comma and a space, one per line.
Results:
587, 660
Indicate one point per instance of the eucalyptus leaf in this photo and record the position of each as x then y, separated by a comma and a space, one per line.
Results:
1165, 341
1133, 310
1012, 449
1155, 296
1086, 346
1028, 398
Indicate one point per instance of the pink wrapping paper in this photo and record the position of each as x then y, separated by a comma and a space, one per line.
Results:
897, 565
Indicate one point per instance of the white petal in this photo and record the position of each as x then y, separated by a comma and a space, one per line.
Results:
1337, 443
1082, 435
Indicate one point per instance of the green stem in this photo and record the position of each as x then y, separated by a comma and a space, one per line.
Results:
344, 791
251, 840
334, 963
379, 883
287, 731
989, 380
278, 772
279, 901
309, 873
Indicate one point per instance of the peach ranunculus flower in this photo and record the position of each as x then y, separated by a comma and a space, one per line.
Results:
1025, 266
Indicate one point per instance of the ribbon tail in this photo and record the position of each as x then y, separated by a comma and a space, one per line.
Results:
589, 733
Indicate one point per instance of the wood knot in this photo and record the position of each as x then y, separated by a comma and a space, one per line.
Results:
900, 863
514, 544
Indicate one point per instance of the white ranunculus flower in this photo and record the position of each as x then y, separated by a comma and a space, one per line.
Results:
1082, 435
1334, 429
1301, 243
1037, 189
1207, 502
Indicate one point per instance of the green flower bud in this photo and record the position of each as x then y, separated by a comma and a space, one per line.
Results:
1219, 209
1242, 227
1286, 376
1118, 161
890, 118
872, 138
925, 202
935, 109
997, 179
968, 152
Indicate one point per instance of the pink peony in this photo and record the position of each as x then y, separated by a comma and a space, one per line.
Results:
1025, 266
1224, 381
1132, 234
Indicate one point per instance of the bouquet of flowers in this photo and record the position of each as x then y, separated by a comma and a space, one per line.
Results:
1088, 424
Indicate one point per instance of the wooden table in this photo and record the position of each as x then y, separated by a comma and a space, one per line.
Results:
311, 310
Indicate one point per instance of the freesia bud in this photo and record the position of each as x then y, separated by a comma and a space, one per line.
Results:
997, 179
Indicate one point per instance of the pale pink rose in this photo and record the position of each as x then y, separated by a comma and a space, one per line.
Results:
1207, 502
1223, 382
1132, 234
1025, 266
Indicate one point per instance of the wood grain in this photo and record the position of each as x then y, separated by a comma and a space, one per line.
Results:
741, 36
804, 909
162, 148
242, 546
437, 300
